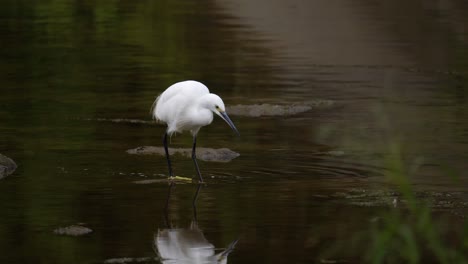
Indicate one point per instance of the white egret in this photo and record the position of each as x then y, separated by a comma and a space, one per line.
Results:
188, 105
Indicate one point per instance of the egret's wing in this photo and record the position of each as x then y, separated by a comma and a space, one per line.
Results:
191, 89
157, 109
175, 99
172, 111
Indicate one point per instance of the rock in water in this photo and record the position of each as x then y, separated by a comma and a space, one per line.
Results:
258, 110
73, 230
130, 260
206, 154
7, 166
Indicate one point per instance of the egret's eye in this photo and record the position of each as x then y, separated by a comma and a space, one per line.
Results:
217, 107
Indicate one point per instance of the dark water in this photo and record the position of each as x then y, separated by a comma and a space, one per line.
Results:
393, 76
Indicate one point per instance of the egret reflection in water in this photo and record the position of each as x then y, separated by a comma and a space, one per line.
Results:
187, 245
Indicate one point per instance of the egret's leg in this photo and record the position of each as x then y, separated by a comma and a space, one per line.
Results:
194, 157
167, 155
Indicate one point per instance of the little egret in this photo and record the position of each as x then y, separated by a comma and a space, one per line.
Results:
188, 105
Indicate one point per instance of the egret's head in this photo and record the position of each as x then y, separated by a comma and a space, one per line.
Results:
216, 105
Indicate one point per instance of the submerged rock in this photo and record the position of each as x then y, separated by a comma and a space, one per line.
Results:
73, 230
150, 181
129, 260
121, 120
257, 110
7, 166
206, 154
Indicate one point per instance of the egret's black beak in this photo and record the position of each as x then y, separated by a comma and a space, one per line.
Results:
228, 120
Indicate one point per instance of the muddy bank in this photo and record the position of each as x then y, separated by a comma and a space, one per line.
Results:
7, 166
205, 154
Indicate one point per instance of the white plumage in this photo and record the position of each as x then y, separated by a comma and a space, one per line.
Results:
188, 106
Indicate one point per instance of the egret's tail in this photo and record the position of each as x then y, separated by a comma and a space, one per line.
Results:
153, 109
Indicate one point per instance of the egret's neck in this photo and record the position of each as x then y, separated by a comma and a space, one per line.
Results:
205, 101
201, 114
